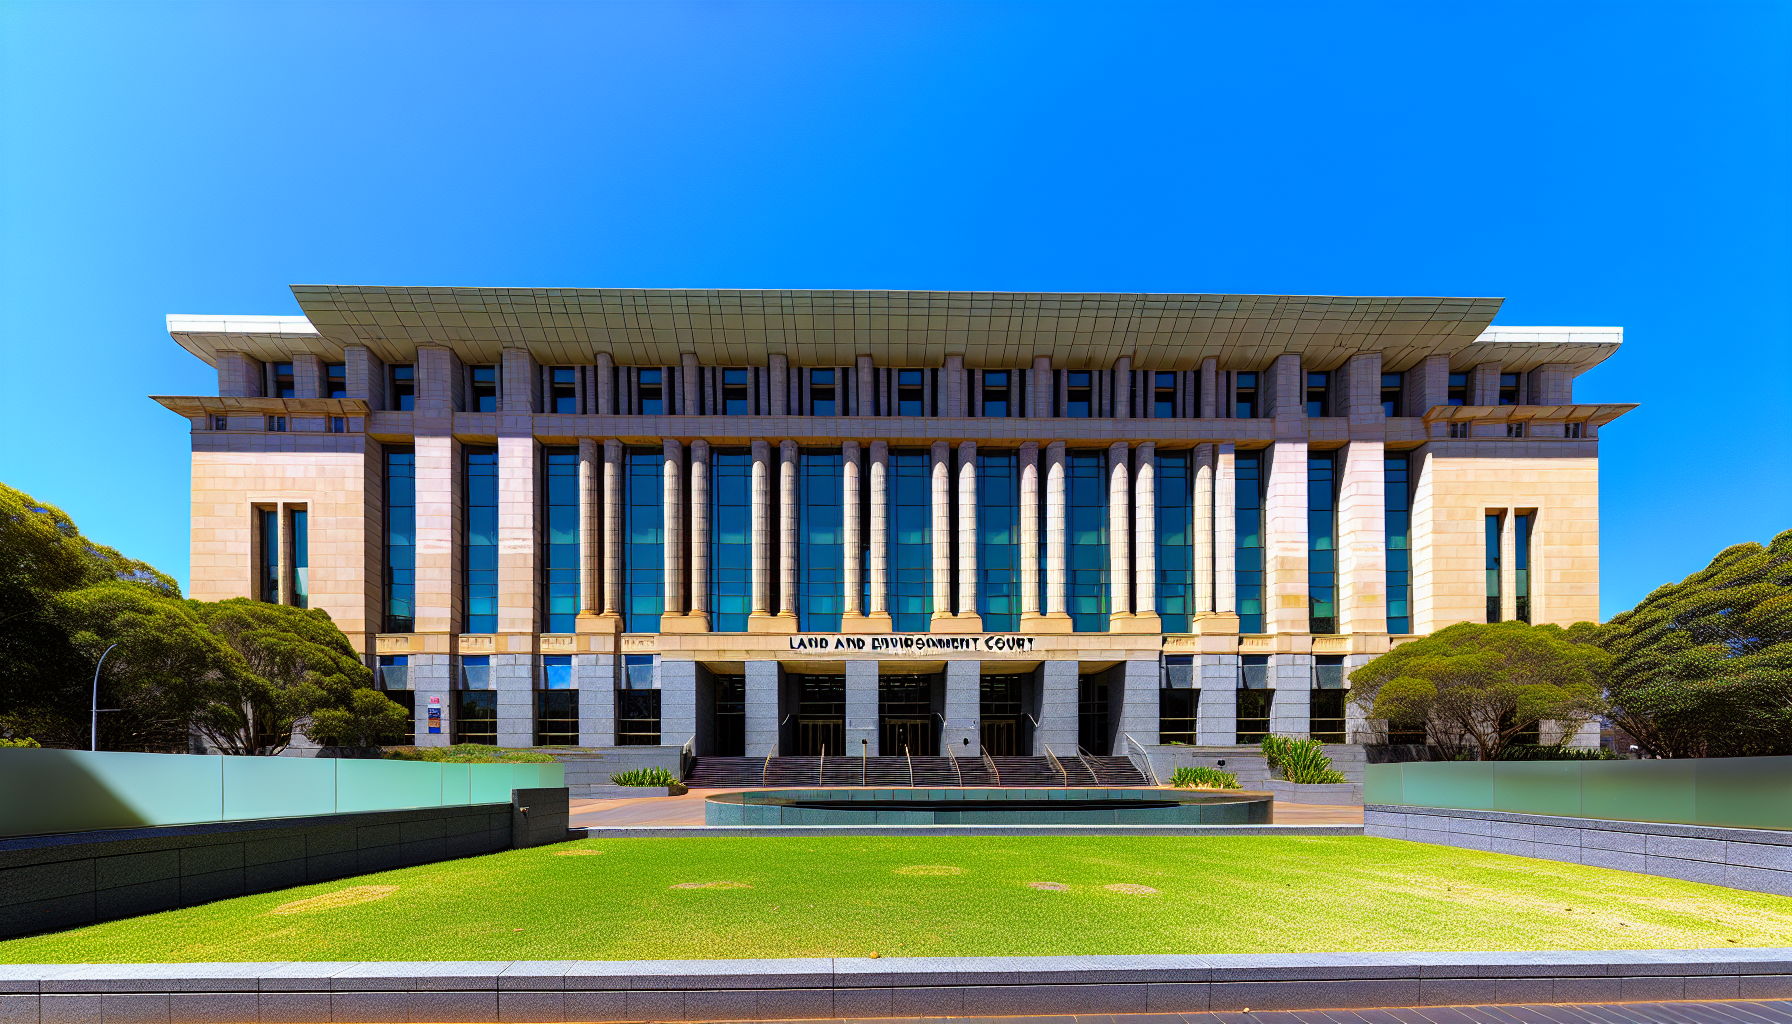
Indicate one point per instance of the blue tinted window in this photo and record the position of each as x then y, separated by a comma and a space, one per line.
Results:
560, 540
643, 540
995, 392
401, 534
735, 397
1175, 541
911, 541
909, 392
730, 538
1322, 542
651, 394
1248, 525
1399, 542
1079, 395
998, 539
1163, 395
820, 542
1086, 550
301, 559
556, 671
821, 393
1245, 407
1493, 568
269, 525
481, 554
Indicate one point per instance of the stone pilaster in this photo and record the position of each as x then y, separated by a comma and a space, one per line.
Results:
1484, 384
1039, 388
861, 709
787, 538
759, 620
522, 387
513, 676
606, 385
1216, 716
1055, 619
1427, 384
1362, 540
1225, 541
612, 526
678, 702
675, 619
1285, 540
952, 387
1057, 708
1359, 389
778, 371
940, 493
240, 376
1137, 681
852, 463
970, 620
1203, 523
763, 684
1210, 388
962, 733
864, 384
879, 613
1119, 536
439, 507
690, 383
591, 531
366, 376
1145, 615
519, 541
1291, 676
1121, 388
594, 675
699, 614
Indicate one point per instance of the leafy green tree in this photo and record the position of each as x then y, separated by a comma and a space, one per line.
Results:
1703, 667
1484, 685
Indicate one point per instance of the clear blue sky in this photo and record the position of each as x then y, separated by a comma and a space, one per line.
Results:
1595, 164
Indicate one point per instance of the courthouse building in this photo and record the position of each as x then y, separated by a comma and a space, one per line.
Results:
875, 523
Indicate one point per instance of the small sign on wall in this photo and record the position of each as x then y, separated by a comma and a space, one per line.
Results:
435, 715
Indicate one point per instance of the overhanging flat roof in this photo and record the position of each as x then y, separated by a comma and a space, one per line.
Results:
650, 327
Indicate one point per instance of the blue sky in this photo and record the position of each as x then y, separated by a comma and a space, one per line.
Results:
1595, 164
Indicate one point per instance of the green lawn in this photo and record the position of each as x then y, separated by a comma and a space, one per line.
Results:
850, 897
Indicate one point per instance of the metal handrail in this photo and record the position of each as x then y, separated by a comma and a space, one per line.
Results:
1053, 758
687, 754
821, 766
991, 762
910, 758
956, 772
1150, 771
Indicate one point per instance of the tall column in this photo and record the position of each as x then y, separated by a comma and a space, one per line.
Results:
676, 619
759, 620
879, 613
690, 385
1039, 388
1145, 617
1121, 388
438, 530
1203, 496
1225, 540
1285, 540
519, 541
763, 707
672, 514
1057, 713
940, 493
864, 385
613, 532
590, 537
1029, 536
961, 730
1508, 565
1484, 384
861, 709
700, 530
1211, 405
1362, 540
787, 524
1119, 539
606, 385
1056, 620
852, 615
970, 620
778, 371
952, 387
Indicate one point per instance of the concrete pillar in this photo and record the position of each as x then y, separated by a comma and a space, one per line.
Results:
690, 385
1029, 536
940, 493
519, 539
1121, 386
861, 709
678, 702
590, 538
864, 382
1056, 487
366, 376
1039, 389
1427, 384
521, 382
1216, 717
1057, 708
672, 511
594, 676
439, 529
1484, 384
513, 676
1291, 675
962, 734
1285, 541
787, 538
1552, 384
1359, 389
240, 376
1508, 565
968, 617
432, 676
852, 461
1138, 682
699, 616
1356, 722
952, 387
1119, 536
1211, 406
612, 567
880, 536
606, 385
762, 537
763, 682
1145, 617
439, 382
779, 372
1362, 540
1203, 518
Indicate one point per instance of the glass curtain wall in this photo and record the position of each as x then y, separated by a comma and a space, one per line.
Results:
401, 535
911, 540
560, 540
268, 524
1248, 519
1175, 541
1322, 542
644, 547
481, 553
821, 551
998, 540
1087, 547
1396, 487
301, 559
730, 538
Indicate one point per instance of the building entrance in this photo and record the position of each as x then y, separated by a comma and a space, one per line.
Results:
907, 724
731, 716
1002, 717
820, 716
1092, 733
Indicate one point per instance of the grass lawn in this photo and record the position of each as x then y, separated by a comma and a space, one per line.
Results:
612, 899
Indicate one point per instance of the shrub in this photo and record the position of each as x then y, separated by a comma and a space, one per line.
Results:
1547, 752
1302, 762
26, 742
1274, 747
655, 776
468, 753
1204, 777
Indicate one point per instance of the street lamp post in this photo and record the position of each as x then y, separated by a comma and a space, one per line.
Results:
96, 699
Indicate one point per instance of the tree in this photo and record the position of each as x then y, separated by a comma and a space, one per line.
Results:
1703, 667
1484, 684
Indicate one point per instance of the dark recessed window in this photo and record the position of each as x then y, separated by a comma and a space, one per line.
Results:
651, 393
223, 423
336, 380
1458, 394
339, 424
564, 395
1163, 395
995, 392
821, 393
734, 393
485, 390
909, 384
1493, 568
283, 387
1078, 393
1568, 430
1246, 400
404, 388
1515, 430
1391, 386
277, 423
1508, 389
1459, 429
1319, 386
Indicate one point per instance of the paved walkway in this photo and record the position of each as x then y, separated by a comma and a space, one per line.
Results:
1597, 1013
688, 810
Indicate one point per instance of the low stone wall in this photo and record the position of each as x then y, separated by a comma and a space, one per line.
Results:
741, 990
63, 881
1757, 860
621, 792
588, 770
1246, 762
1343, 794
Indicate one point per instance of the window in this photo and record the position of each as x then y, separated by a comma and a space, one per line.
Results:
1459, 430
1163, 395
339, 424
335, 380
563, 392
476, 672
1515, 429
736, 397
407, 733
998, 542
560, 540
821, 393
909, 385
638, 704
404, 388
650, 394
301, 559
268, 524
1005, 725
1254, 699
283, 384
911, 540
1493, 568
1569, 430
1175, 541
1391, 386
1458, 393
1248, 517
476, 717
1325, 704
1079, 394
995, 393
1521, 567
1319, 401
1177, 700
821, 542
644, 540
1093, 729
1322, 542
277, 424
401, 551
223, 423
730, 538
1086, 548
395, 672
1245, 397
480, 554
556, 703
485, 390
1508, 389
731, 716
1396, 489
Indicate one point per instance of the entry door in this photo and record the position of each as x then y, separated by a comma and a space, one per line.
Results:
999, 736
911, 736
818, 736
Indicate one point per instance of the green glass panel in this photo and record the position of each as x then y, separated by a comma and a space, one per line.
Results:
1637, 790
1537, 787
386, 785
457, 785
76, 790
1381, 784
1465, 784
1742, 792
278, 787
